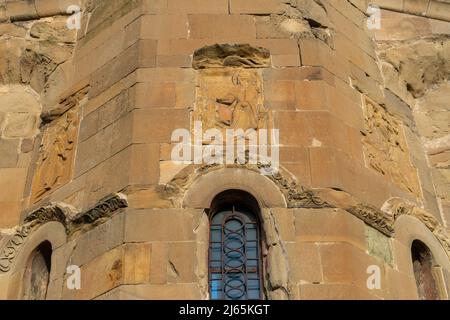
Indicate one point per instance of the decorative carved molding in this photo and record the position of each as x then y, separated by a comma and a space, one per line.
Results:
373, 217
298, 196
32, 221
103, 210
12, 248
44, 215
400, 208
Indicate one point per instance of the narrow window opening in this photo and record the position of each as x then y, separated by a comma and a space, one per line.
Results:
235, 248
37, 273
423, 264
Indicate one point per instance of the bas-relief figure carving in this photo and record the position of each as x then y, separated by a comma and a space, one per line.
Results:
56, 155
386, 149
231, 98
230, 87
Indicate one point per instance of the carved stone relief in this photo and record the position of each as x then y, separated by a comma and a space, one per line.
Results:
386, 150
227, 55
398, 208
70, 102
56, 155
12, 248
230, 88
83, 222
231, 98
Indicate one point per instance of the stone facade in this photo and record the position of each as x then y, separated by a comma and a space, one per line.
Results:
86, 122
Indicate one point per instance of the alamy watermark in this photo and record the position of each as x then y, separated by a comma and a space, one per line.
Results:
374, 20
74, 278
230, 146
374, 280
74, 21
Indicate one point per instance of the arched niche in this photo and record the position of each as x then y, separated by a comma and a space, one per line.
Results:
202, 193
36, 277
409, 232
53, 235
205, 187
409, 228
424, 271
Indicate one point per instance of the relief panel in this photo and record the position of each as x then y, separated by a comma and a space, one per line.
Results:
231, 98
56, 155
386, 150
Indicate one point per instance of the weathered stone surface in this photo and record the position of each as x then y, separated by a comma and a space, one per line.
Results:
363, 127
56, 155
426, 66
8, 152
231, 56
159, 225
379, 245
182, 291
304, 262
230, 98
386, 149
102, 239
329, 225
20, 125
126, 264
54, 30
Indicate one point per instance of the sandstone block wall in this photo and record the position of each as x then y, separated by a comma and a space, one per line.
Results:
89, 113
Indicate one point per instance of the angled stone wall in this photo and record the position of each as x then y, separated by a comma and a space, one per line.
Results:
360, 172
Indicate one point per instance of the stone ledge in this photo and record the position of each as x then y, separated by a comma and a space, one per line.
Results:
35, 9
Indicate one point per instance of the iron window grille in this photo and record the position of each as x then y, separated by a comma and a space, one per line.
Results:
235, 256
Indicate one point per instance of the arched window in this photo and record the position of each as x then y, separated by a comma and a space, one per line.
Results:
423, 264
235, 248
37, 273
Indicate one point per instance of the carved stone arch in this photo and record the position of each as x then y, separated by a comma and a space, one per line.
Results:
53, 232
14, 243
398, 208
409, 228
205, 187
413, 225
284, 190
204, 184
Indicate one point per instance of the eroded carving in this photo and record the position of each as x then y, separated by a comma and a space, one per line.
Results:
57, 150
398, 208
44, 215
298, 196
12, 248
231, 98
226, 55
386, 149
68, 103
82, 222
374, 218
103, 210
